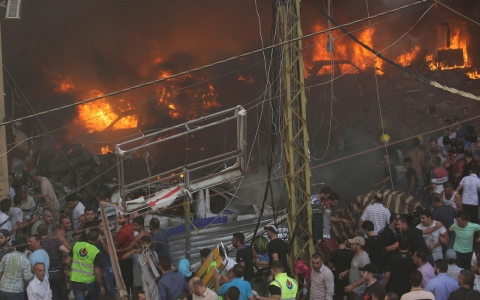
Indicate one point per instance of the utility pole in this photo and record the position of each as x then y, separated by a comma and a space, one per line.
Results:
186, 207
4, 184
295, 139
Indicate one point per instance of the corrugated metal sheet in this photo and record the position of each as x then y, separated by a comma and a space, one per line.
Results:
208, 237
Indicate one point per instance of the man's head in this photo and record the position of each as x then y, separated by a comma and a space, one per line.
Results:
462, 219
416, 278
441, 266
369, 272
404, 243
378, 294
145, 241
415, 142
141, 295
393, 219
4, 237
92, 236
402, 224
238, 271
451, 256
138, 223
368, 226
426, 217
24, 192
272, 231
357, 243
71, 201
448, 188
378, 197
341, 240
435, 201
165, 264
154, 224
464, 278
334, 199
121, 218
276, 268
420, 257
5, 205
39, 270
47, 216
317, 262
474, 169
42, 230
233, 293
325, 192
392, 296
66, 223
46, 201
90, 213
433, 142
18, 200
436, 161
407, 163
103, 194
238, 239
34, 242
204, 254
464, 111
36, 175
196, 286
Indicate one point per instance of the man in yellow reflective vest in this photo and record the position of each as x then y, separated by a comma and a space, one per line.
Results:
85, 262
282, 287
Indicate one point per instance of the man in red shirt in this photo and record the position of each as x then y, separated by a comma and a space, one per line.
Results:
122, 241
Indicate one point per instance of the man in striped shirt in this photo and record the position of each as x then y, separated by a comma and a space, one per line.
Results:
438, 178
377, 213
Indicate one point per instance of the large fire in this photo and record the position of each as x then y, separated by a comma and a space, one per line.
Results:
97, 116
459, 40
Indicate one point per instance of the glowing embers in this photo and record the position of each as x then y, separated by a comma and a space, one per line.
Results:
97, 116
473, 75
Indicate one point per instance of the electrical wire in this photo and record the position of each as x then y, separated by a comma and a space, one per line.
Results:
439, 2
207, 66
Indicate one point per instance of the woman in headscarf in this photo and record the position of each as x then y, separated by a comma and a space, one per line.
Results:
184, 269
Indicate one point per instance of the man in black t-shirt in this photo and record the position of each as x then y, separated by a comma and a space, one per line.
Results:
398, 269
277, 248
390, 236
369, 275
340, 261
375, 246
415, 236
245, 256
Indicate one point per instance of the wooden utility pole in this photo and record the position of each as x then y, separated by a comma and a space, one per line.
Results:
4, 184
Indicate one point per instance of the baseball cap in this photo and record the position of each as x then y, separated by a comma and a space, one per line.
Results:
4, 232
357, 240
271, 228
451, 254
23, 188
369, 268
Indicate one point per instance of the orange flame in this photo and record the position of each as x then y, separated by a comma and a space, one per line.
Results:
97, 115
458, 41
473, 75
105, 150
407, 58
349, 57
247, 79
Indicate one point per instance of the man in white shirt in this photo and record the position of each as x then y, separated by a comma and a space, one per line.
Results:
471, 187
5, 205
432, 240
377, 213
16, 216
322, 286
77, 210
39, 288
